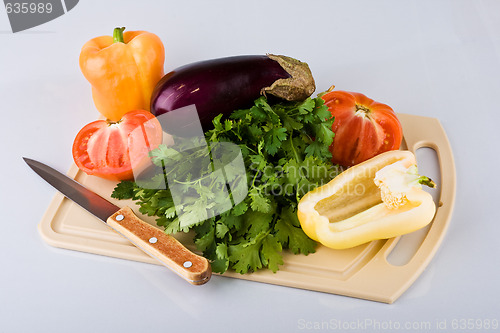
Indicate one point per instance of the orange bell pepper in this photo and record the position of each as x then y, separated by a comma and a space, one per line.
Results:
123, 70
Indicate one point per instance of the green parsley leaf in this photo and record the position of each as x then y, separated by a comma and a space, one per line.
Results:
294, 238
271, 253
306, 107
259, 202
273, 139
246, 256
124, 190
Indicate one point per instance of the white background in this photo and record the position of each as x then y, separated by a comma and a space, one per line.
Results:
432, 58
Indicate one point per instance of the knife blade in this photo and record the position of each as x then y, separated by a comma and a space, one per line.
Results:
165, 248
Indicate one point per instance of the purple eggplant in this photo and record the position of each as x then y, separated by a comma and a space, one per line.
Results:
227, 84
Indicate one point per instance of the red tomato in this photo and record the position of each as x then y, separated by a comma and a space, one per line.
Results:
363, 128
112, 150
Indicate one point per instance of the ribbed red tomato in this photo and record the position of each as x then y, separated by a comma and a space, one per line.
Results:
113, 150
363, 128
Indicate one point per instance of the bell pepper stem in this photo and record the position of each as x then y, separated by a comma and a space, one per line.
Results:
118, 35
427, 181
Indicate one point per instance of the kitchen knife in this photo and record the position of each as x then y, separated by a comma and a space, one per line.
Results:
165, 248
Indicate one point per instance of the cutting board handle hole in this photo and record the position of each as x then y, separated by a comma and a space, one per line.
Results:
408, 245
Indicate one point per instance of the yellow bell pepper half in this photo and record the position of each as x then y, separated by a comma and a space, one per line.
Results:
378, 199
123, 70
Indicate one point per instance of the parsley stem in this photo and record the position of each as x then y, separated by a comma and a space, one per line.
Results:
254, 178
252, 150
295, 154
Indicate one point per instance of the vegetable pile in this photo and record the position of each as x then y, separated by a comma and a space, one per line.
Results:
285, 149
261, 105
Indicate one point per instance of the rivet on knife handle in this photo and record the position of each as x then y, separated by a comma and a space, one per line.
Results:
168, 250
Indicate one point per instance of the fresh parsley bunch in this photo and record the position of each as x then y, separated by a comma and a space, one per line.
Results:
285, 150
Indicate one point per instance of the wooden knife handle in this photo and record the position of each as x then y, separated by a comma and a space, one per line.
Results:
165, 248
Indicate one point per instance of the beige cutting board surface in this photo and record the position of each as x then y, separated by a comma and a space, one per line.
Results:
361, 272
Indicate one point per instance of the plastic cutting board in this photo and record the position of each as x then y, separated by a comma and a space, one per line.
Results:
361, 272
